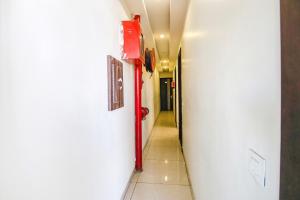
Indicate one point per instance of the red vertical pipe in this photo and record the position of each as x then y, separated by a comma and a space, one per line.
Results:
138, 114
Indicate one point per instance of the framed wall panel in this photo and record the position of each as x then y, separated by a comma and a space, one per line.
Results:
115, 83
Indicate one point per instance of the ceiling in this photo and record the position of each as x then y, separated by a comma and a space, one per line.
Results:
163, 24
159, 17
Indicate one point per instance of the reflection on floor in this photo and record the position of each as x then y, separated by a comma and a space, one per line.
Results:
164, 176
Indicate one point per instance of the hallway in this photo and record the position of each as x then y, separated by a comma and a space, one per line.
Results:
164, 176
87, 89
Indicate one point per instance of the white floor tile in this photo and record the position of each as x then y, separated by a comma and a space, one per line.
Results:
165, 142
161, 192
135, 177
170, 153
130, 191
164, 172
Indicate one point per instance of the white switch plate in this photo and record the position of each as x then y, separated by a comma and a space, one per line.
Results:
257, 167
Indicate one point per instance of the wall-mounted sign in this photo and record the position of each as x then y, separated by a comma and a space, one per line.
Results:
115, 83
173, 85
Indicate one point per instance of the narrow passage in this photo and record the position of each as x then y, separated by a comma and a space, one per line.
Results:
164, 176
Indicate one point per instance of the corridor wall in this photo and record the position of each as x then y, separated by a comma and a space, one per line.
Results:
58, 141
231, 97
151, 99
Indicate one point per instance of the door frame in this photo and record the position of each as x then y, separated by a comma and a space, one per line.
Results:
170, 92
290, 98
179, 82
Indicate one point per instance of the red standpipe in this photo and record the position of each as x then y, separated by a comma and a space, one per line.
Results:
133, 51
138, 115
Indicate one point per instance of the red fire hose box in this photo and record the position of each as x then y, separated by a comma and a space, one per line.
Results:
132, 44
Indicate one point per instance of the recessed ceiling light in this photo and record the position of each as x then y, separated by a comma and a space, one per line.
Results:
162, 36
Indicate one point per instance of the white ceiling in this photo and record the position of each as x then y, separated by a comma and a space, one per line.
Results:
178, 10
161, 17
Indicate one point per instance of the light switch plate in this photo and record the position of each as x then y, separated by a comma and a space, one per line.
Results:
257, 167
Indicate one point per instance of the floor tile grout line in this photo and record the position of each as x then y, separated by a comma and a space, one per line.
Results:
151, 144
146, 153
181, 161
133, 191
165, 184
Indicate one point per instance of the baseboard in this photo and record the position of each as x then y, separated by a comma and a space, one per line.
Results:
127, 186
188, 175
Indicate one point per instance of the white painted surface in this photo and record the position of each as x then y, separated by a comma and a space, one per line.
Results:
231, 97
178, 10
157, 94
151, 100
257, 167
57, 139
159, 18
166, 19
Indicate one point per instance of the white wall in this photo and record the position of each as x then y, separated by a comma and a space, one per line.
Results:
57, 139
150, 99
166, 75
157, 93
231, 97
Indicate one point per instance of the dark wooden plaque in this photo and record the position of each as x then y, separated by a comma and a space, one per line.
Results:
115, 83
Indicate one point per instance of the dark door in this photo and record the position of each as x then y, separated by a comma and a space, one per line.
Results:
166, 103
290, 108
179, 98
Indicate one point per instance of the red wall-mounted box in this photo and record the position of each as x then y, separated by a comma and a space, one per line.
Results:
133, 41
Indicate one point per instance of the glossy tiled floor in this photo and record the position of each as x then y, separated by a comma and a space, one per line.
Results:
164, 175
